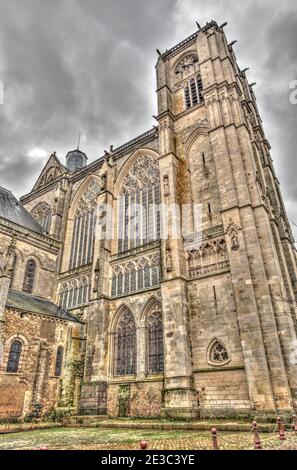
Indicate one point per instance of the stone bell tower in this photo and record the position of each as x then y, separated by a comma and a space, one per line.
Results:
205, 102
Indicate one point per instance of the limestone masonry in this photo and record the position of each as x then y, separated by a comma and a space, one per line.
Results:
143, 325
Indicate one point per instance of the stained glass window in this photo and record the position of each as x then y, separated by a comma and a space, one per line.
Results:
29, 276
125, 345
59, 361
218, 352
155, 342
14, 357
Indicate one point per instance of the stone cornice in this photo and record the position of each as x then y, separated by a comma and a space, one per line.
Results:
95, 165
134, 252
10, 228
44, 316
42, 190
87, 269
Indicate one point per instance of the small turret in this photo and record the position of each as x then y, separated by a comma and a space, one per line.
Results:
75, 160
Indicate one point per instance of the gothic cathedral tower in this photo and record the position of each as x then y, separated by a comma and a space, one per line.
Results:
229, 325
172, 322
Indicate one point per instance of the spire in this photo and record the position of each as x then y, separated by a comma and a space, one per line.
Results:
78, 142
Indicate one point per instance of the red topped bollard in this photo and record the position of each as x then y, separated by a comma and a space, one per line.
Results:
257, 441
281, 429
143, 445
215, 442
282, 436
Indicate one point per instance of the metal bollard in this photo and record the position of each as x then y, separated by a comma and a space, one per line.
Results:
281, 429
257, 441
143, 445
282, 436
214, 435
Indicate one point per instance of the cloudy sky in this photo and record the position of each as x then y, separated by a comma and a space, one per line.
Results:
71, 66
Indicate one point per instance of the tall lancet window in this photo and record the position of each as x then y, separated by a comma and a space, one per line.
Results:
155, 349
139, 214
188, 77
29, 276
125, 345
83, 236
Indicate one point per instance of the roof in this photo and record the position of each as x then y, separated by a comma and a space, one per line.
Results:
12, 210
32, 304
76, 152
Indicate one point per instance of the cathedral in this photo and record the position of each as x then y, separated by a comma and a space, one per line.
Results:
103, 313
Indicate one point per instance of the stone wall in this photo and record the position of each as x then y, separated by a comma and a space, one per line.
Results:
143, 399
35, 380
222, 393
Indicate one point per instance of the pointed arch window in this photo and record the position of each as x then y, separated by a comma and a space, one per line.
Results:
218, 353
14, 357
29, 276
193, 92
83, 238
155, 345
125, 345
83, 235
139, 201
42, 213
59, 361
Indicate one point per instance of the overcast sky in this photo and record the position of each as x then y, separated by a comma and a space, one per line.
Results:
89, 65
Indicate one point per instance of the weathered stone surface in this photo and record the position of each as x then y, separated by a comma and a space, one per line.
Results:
226, 342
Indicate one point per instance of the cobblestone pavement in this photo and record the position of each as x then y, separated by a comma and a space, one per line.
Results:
123, 439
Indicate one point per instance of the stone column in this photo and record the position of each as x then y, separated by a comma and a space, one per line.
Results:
180, 394
58, 208
96, 360
141, 340
6, 272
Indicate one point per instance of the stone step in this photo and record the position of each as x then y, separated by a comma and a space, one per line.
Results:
87, 419
104, 423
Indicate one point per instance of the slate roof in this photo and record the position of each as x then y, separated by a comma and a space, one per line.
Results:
30, 303
12, 210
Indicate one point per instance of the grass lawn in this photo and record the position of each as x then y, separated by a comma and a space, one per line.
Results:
108, 439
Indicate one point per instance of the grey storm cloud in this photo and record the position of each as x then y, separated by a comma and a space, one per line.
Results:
71, 66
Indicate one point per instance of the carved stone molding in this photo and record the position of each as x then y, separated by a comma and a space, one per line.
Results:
232, 232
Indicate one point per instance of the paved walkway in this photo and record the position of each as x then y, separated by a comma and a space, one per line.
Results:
99, 439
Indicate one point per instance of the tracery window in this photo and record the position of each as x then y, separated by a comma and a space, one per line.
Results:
42, 213
218, 353
141, 273
139, 215
14, 357
187, 66
83, 236
29, 276
59, 361
74, 293
155, 348
125, 345
188, 77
